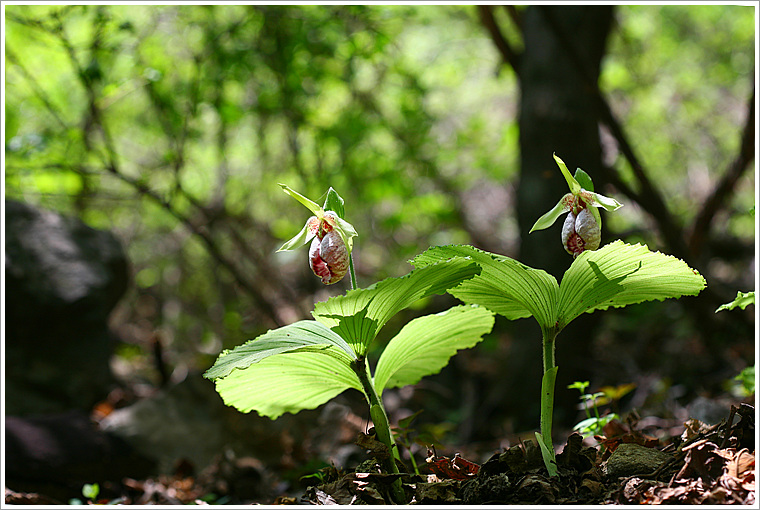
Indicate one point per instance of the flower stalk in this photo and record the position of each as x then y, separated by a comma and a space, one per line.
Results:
382, 426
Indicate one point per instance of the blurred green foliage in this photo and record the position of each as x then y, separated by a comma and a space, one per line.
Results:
172, 125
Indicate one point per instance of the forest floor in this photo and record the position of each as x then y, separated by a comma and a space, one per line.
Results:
703, 465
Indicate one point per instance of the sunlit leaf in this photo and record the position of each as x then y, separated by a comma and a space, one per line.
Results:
300, 336
359, 314
425, 345
504, 285
617, 275
295, 367
621, 274
287, 383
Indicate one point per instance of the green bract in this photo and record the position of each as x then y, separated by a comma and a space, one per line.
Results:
578, 191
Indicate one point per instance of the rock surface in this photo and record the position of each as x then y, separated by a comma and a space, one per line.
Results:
63, 278
630, 459
58, 453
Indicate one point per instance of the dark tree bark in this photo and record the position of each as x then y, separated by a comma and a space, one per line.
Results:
558, 114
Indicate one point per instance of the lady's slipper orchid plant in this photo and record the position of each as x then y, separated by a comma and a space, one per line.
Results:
614, 275
583, 226
331, 238
304, 364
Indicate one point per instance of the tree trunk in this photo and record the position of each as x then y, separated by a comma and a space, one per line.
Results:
557, 115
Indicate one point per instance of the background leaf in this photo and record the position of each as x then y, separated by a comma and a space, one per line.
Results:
504, 285
425, 345
742, 300
359, 314
299, 336
287, 383
621, 274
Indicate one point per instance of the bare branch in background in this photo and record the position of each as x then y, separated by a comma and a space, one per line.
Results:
508, 54
110, 161
700, 229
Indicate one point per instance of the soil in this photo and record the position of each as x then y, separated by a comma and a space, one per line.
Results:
704, 465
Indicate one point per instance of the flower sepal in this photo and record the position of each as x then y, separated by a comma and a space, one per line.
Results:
581, 196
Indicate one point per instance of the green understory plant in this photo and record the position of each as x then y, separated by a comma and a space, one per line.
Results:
615, 275
743, 385
307, 363
592, 425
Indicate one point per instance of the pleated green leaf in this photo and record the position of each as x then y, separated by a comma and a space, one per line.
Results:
299, 336
425, 345
358, 315
621, 274
287, 383
504, 285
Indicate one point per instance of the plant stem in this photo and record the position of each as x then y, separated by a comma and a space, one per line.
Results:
547, 393
382, 427
351, 270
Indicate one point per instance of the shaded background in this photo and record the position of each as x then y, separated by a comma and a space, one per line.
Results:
170, 126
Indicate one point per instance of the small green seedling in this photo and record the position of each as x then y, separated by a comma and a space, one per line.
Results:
744, 383
616, 275
592, 425
305, 364
90, 492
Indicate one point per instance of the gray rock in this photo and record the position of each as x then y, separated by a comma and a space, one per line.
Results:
63, 278
189, 421
633, 459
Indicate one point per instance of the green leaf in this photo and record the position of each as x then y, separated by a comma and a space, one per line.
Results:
358, 315
299, 336
90, 490
621, 274
303, 237
504, 285
334, 202
287, 383
584, 179
312, 206
575, 187
742, 300
425, 345
548, 219
550, 460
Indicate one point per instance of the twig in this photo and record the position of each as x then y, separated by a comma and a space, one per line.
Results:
110, 162
717, 199
488, 21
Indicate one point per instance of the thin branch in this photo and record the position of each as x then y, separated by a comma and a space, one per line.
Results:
38, 90
717, 199
507, 53
111, 164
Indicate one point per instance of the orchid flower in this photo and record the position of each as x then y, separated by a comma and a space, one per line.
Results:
330, 236
583, 225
